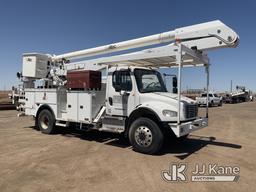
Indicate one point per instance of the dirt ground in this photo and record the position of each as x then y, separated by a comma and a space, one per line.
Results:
91, 161
4, 97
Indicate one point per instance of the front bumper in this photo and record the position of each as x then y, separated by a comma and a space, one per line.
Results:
188, 127
201, 102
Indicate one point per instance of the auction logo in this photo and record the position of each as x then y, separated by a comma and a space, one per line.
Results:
176, 172
201, 173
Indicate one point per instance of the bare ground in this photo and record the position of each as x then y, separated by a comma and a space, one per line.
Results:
5, 101
92, 161
4, 97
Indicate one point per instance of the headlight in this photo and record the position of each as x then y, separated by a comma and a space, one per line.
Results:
169, 113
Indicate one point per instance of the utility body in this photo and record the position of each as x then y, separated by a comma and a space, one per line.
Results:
129, 96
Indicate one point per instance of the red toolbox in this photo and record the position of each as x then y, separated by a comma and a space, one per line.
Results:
84, 79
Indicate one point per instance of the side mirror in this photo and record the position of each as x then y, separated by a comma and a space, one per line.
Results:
18, 75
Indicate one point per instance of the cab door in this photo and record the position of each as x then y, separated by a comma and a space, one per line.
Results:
119, 92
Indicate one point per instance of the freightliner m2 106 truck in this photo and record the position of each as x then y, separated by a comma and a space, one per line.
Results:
123, 93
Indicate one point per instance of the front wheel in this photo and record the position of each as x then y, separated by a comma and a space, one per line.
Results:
46, 122
145, 136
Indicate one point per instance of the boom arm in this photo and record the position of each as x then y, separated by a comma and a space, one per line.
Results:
201, 37
205, 36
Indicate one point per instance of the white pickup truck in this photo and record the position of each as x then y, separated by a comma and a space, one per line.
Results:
214, 99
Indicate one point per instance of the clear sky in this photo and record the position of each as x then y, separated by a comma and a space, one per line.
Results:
55, 27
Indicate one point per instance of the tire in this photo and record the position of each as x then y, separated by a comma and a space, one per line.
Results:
145, 136
46, 122
211, 104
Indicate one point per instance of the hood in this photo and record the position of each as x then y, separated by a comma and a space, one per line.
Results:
159, 101
167, 95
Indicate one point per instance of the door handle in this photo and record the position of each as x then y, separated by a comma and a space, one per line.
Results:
110, 101
124, 93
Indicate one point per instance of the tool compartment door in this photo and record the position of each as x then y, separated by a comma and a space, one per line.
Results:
29, 99
85, 107
72, 111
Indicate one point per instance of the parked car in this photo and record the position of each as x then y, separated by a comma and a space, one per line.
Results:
214, 99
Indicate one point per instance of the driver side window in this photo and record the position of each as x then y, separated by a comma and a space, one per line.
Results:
122, 79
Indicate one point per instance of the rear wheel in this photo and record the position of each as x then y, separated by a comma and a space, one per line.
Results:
46, 122
145, 136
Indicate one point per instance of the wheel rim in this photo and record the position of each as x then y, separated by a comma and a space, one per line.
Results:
143, 136
44, 122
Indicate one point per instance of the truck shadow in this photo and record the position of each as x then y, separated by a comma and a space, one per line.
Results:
7, 107
177, 147
96, 136
191, 145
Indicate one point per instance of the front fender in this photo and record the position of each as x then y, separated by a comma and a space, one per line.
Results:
158, 108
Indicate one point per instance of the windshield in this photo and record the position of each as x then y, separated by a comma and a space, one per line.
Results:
149, 81
205, 95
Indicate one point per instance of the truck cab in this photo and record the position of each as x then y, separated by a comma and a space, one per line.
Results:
131, 88
138, 101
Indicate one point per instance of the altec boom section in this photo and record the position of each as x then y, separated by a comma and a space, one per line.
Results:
203, 36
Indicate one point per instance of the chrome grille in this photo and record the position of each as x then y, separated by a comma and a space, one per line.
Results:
191, 111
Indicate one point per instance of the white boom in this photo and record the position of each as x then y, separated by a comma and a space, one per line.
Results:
203, 36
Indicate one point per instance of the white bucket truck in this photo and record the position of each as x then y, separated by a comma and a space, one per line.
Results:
132, 98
